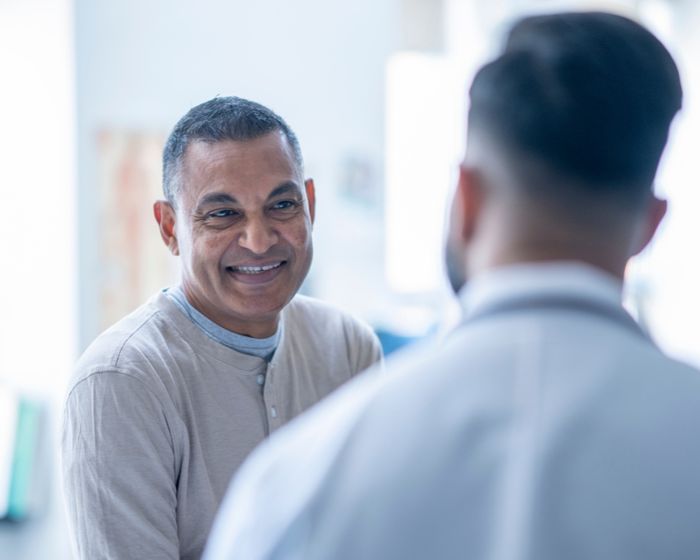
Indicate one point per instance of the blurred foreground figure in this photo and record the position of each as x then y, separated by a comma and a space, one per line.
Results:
166, 404
549, 426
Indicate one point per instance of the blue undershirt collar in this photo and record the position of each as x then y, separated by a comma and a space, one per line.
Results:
260, 347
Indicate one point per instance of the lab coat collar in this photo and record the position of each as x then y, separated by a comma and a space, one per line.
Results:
561, 278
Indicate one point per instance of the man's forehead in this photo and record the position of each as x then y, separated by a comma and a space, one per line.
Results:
273, 148
268, 151
239, 169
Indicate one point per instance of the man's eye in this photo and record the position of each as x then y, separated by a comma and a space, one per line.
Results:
285, 205
222, 213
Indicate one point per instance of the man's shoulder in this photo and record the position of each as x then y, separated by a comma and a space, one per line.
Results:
324, 317
142, 337
308, 305
329, 335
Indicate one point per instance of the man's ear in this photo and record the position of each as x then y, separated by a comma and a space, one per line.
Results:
654, 215
165, 216
468, 201
311, 197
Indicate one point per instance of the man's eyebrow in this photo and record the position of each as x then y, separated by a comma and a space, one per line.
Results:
285, 188
216, 198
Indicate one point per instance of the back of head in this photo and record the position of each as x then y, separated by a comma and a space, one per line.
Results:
218, 120
588, 97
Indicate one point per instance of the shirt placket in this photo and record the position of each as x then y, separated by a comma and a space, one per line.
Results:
271, 399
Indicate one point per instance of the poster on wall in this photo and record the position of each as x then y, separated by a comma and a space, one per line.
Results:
133, 261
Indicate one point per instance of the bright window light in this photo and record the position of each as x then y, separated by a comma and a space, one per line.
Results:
425, 125
37, 229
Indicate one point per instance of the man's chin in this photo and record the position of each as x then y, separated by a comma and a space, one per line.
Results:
256, 306
255, 318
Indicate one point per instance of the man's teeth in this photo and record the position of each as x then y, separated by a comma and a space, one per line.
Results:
256, 269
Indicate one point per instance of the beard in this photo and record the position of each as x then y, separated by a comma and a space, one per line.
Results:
455, 265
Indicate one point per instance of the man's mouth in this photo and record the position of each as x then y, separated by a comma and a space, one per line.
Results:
249, 273
246, 269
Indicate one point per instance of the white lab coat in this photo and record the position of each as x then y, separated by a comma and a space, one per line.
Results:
539, 433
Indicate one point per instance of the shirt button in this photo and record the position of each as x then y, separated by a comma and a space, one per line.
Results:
260, 379
273, 412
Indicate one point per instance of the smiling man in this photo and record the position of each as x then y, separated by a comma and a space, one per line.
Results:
165, 405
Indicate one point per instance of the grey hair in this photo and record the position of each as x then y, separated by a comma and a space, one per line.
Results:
216, 120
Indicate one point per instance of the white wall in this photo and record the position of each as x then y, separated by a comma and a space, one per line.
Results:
319, 64
672, 266
37, 232
37, 195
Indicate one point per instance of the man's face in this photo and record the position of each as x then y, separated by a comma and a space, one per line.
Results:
243, 230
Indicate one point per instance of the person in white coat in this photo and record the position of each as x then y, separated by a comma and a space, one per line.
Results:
548, 426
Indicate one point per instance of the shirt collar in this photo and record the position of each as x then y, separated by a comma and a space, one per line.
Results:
260, 347
563, 278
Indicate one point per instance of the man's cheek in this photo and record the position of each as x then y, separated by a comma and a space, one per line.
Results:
299, 236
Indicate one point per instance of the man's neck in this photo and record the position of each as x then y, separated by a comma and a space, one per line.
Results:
263, 347
528, 240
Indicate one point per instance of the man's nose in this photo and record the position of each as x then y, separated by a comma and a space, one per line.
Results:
257, 236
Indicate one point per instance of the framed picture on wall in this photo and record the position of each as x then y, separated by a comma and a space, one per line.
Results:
133, 262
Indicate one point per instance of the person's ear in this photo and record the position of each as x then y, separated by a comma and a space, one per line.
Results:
654, 215
165, 216
468, 202
311, 197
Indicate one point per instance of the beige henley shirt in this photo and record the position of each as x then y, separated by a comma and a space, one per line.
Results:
159, 416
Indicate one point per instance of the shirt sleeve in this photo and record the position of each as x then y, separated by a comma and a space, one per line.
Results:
119, 470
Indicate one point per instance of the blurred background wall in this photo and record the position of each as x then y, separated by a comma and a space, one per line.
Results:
38, 224
375, 91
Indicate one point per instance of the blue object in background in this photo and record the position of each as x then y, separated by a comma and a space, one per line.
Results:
391, 341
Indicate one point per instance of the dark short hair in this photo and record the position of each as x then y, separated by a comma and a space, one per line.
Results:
216, 120
590, 96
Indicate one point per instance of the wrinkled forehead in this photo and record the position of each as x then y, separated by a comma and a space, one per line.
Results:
270, 151
247, 167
